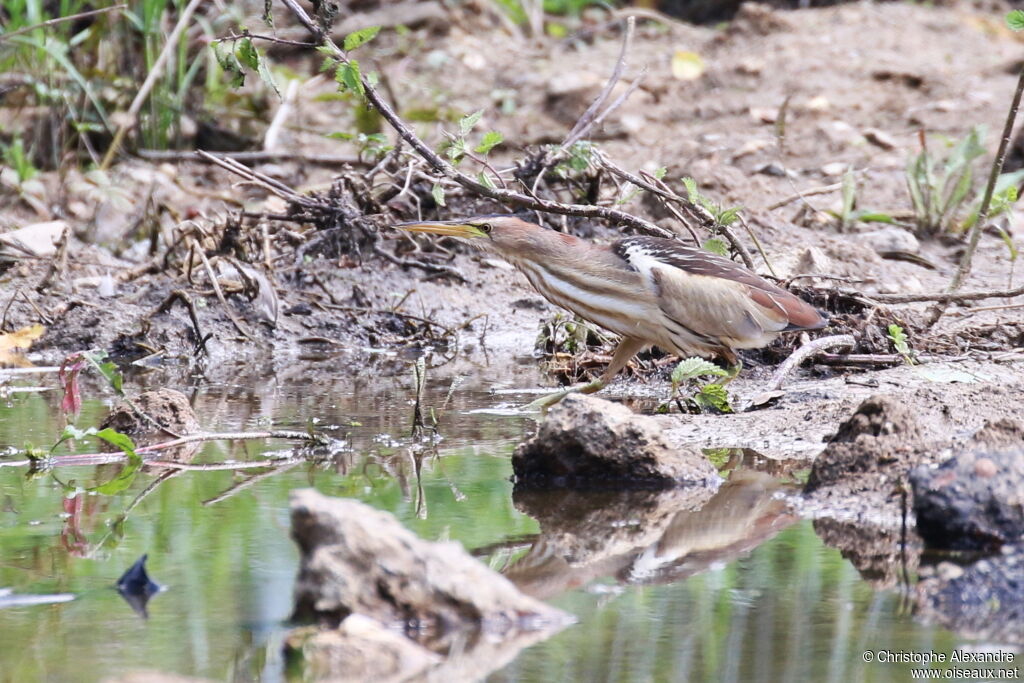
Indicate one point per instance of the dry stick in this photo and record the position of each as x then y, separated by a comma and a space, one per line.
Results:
60, 20
824, 189
805, 352
104, 458
946, 297
448, 171
273, 134
255, 157
156, 72
589, 117
277, 468
964, 268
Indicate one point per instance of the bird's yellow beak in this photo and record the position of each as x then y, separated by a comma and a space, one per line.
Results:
449, 228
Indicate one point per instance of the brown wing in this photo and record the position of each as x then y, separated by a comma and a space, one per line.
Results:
777, 302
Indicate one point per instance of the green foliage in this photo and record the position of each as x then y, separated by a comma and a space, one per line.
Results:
17, 158
849, 214
490, 140
359, 38
899, 342
371, 144
348, 76
1015, 20
708, 396
437, 192
723, 216
939, 186
716, 245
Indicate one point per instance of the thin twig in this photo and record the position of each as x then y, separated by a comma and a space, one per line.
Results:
805, 352
800, 194
60, 20
964, 269
155, 73
79, 459
253, 157
945, 297
589, 117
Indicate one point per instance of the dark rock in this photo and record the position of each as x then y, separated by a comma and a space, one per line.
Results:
356, 559
983, 601
973, 501
589, 442
882, 437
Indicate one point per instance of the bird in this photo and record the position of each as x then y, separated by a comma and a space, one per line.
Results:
651, 291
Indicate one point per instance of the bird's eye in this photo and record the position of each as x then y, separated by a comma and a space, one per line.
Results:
486, 227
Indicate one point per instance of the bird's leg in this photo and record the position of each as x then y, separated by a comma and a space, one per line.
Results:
625, 351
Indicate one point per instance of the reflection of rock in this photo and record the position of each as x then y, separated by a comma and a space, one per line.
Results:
359, 649
356, 559
973, 501
167, 407
881, 554
644, 536
984, 601
587, 441
136, 587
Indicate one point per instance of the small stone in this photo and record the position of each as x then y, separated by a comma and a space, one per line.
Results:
880, 139
947, 571
984, 467
891, 239
834, 169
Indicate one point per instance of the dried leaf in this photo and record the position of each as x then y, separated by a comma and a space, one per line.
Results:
687, 66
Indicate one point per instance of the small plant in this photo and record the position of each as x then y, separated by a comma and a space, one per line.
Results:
849, 213
939, 187
899, 342
707, 397
722, 215
18, 159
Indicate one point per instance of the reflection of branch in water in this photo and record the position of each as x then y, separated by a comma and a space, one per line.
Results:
118, 456
246, 483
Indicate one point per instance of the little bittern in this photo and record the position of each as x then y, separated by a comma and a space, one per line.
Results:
648, 290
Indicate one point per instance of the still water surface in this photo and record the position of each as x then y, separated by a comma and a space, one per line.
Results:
789, 609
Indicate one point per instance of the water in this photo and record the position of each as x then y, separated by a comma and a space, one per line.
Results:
738, 591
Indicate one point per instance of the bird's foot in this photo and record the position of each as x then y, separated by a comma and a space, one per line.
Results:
545, 402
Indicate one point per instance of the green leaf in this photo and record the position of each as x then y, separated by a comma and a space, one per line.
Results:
469, 121
713, 396
119, 483
660, 172
340, 136
247, 53
229, 64
691, 368
116, 438
437, 192
716, 245
347, 75
729, 216
1015, 20
360, 38
490, 140
485, 180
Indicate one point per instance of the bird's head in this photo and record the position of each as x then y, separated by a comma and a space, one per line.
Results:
504, 234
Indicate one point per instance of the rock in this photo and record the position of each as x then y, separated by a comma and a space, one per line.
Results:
806, 261
973, 501
359, 649
834, 169
983, 601
880, 139
891, 239
356, 559
881, 554
878, 437
39, 239
587, 441
167, 407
